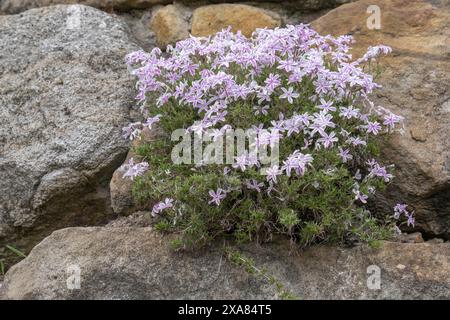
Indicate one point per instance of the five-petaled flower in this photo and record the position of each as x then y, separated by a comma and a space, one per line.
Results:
134, 170
289, 94
217, 196
160, 206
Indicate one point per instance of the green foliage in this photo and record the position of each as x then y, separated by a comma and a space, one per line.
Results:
288, 218
6, 263
250, 267
16, 251
318, 206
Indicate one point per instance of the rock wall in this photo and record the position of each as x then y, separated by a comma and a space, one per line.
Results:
65, 94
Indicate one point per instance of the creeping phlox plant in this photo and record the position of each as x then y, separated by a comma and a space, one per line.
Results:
308, 95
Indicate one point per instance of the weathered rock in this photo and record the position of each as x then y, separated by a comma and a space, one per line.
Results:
121, 196
435, 240
138, 22
122, 200
211, 19
289, 14
65, 94
136, 263
136, 219
170, 24
416, 84
313, 5
16, 6
293, 5
415, 237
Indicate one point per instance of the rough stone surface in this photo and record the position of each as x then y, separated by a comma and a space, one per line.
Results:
16, 6
136, 219
65, 94
122, 200
210, 19
436, 240
138, 22
415, 237
292, 5
416, 84
136, 263
290, 14
170, 24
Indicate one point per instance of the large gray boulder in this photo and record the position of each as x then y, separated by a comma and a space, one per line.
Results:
65, 94
136, 263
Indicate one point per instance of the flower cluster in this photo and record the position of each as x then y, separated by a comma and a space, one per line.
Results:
303, 88
160, 206
217, 196
133, 130
133, 170
400, 209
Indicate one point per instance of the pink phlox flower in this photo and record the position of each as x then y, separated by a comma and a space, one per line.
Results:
163, 205
132, 131
327, 140
356, 141
345, 155
152, 120
400, 209
272, 81
254, 185
391, 120
373, 127
289, 94
217, 196
261, 110
272, 173
326, 106
360, 196
133, 170
349, 112
297, 161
